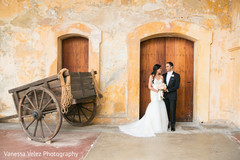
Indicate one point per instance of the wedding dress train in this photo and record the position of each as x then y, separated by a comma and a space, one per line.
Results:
155, 119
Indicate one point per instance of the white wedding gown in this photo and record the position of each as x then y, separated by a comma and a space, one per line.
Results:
155, 119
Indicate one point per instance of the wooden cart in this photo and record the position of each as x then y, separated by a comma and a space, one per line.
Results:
39, 110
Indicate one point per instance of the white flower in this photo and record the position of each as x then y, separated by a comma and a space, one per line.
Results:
172, 75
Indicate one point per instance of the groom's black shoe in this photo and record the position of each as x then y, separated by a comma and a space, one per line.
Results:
173, 129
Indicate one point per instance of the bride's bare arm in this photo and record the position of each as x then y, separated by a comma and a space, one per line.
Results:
150, 84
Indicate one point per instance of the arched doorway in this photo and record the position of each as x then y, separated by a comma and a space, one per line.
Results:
75, 54
161, 50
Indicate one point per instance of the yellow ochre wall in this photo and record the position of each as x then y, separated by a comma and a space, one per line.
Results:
31, 32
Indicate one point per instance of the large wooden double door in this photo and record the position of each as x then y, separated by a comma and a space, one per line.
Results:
180, 52
75, 54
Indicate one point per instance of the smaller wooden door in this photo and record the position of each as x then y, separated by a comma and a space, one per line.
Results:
75, 54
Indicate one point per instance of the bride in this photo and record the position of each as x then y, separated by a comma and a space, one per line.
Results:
155, 119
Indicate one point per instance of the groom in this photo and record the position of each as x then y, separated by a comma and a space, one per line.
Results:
172, 80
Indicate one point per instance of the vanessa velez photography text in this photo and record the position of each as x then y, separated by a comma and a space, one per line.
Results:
40, 154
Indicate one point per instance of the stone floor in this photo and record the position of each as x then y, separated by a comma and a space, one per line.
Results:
191, 141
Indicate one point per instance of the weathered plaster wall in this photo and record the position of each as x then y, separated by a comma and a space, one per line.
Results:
225, 73
29, 51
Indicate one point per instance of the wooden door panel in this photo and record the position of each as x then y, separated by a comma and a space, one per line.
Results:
75, 54
144, 79
189, 79
170, 51
67, 55
162, 50
179, 67
152, 52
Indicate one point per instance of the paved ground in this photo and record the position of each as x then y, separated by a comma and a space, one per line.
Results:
97, 142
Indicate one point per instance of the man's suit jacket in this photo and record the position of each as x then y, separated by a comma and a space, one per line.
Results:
172, 86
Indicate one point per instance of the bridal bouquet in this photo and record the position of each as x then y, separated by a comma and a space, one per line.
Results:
161, 87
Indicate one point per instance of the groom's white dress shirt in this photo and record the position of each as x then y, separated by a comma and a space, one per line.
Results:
169, 74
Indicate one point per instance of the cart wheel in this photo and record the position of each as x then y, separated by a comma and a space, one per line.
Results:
40, 114
81, 114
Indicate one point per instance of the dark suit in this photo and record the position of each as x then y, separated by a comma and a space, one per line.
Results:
170, 97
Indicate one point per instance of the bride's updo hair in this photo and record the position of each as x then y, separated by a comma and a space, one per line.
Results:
154, 72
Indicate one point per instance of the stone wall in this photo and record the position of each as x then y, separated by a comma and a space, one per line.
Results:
29, 30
